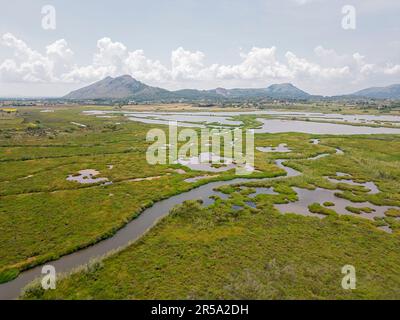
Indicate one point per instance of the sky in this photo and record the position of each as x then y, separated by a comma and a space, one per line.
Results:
322, 46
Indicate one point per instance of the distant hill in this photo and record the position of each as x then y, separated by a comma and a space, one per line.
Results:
118, 88
286, 90
126, 87
275, 91
193, 94
389, 92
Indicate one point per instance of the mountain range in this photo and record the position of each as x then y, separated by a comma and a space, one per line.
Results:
389, 92
127, 88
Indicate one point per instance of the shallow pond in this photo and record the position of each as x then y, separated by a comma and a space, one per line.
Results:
371, 186
280, 126
261, 191
86, 177
129, 233
281, 148
284, 121
150, 216
308, 197
208, 161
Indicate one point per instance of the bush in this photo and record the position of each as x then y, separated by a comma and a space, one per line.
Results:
359, 210
317, 208
329, 204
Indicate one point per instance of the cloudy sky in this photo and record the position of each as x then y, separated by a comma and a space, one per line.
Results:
199, 44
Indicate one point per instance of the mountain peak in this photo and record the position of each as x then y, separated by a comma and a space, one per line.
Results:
121, 87
389, 92
286, 90
287, 84
126, 77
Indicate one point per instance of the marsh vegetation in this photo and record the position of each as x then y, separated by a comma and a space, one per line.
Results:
239, 245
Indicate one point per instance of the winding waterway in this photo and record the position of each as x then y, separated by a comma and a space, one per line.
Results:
128, 234
133, 230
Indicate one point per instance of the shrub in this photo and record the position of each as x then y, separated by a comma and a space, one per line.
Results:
317, 208
329, 204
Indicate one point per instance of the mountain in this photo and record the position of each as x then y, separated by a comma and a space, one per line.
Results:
286, 90
389, 92
118, 88
275, 91
126, 87
193, 94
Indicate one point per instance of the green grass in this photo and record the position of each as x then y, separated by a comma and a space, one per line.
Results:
395, 213
357, 210
198, 253
195, 252
8, 275
43, 216
328, 204
317, 208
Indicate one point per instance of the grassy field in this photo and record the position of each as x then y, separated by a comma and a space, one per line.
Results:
216, 253
42, 215
196, 252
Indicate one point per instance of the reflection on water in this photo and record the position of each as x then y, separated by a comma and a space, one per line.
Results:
283, 122
86, 177
188, 117
165, 122
136, 228
124, 236
236, 208
208, 200
308, 197
315, 141
371, 186
280, 126
262, 191
208, 161
251, 204
281, 148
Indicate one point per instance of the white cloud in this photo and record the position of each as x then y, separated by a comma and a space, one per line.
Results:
109, 59
392, 70
258, 66
364, 5
258, 63
110, 53
186, 64
113, 59
303, 2
28, 65
146, 69
302, 67
59, 49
